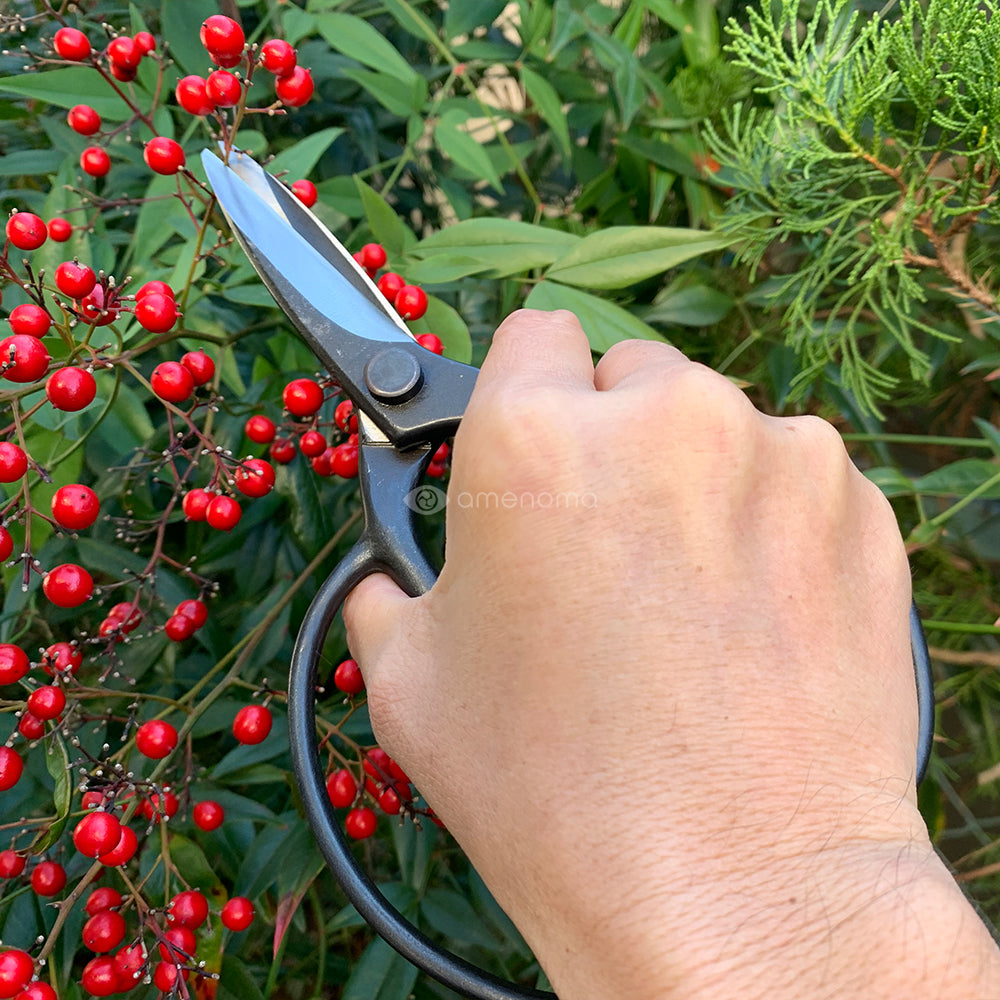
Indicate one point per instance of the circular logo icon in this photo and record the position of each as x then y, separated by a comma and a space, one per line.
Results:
426, 499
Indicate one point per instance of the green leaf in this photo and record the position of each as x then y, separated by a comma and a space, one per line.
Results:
444, 321
57, 764
192, 865
68, 87
380, 974
689, 305
451, 914
623, 255
299, 160
297, 24
544, 96
181, 21
663, 154
461, 16
385, 224
410, 19
507, 246
959, 478
357, 39
398, 96
236, 982
990, 433
464, 151
31, 161
890, 481
443, 268
604, 322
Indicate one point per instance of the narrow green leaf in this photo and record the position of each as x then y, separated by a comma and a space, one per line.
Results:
380, 974
604, 322
890, 481
190, 861
356, 38
297, 24
544, 96
57, 764
959, 478
990, 433
392, 93
461, 16
236, 982
690, 305
622, 255
444, 321
67, 87
451, 914
385, 224
444, 267
663, 154
181, 20
464, 151
31, 161
410, 19
299, 160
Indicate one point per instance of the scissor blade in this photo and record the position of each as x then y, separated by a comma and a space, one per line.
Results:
321, 292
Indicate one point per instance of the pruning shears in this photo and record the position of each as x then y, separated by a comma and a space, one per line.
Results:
408, 401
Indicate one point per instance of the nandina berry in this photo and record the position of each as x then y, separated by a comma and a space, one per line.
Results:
11, 768
195, 503
11, 863
302, 397
97, 833
25, 358
223, 513
341, 788
75, 279
178, 628
260, 429
344, 462
156, 313
282, 451
410, 302
6, 544
208, 815
178, 944
200, 365
26, 231
13, 462
123, 851
347, 677
48, 878
14, 663
71, 44
171, 381
60, 229
124, 53
252, 724
164, 155
122, 73
100, 977
194, 609
432, 342
68, 585
46, 702
296, 88
104, 931
129, 964
360, 822
165, 976
188, 909
84, 120
156, 739
306, 192
95, 161
127, 614
75, 507
16, 970
30, 726
145, 41
102, 899
390, 283
237, 914
344, 416
154, 288
255, 477
222, 36
60, 658
30, 320
38, 990
389, 802
312, 443
278, 57
223, 88
100, 307
373, 256
192, 95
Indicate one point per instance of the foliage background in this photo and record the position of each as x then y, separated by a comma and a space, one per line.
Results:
559, 153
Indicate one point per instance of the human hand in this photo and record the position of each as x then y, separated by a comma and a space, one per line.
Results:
662, 690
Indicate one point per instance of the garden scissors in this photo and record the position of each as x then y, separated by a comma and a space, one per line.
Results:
408, 401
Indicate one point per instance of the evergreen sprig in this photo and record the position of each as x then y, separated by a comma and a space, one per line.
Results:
876, 160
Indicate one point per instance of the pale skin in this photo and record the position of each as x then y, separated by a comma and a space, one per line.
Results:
674, 725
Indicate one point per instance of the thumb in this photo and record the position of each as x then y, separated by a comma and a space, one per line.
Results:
373, 613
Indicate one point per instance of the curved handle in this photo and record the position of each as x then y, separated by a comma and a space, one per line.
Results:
925, 692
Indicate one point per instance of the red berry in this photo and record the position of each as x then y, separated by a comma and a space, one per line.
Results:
223, 88
188, 909
344, 416
278, 57
347, 677
200, 365
192, 95
222, 36
11, 863
75, 507
255, 477
26, 358
74, 279
95, 161
156, 739
252, 724
26, 231
223, 513
123, 851
6, 544
30, 726
237, 914
104, 931
432, 342
37, 990
61, 657
83, 119
11, 768
208, 815
124, 53
152, 808
388, 802
165, 976
48, 878
306, 192
100, 977
156, 313
389, 284
14, 663
410, 302
122, 73
46, 702
178, 944
102, 899
60, 229
312, 443
100, 308
195, 504
154, 288
360, 823
341, 788
127, 614
282, 451
296, 88
178, 628
30, 320
344, 462
302, 397
68, 585
97, 833
130, 962
13, 462
16, 970
164, 155
145, 41
71, 44
196, 610
373, 256
70, 388
321, 463
171, 381
260, 429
